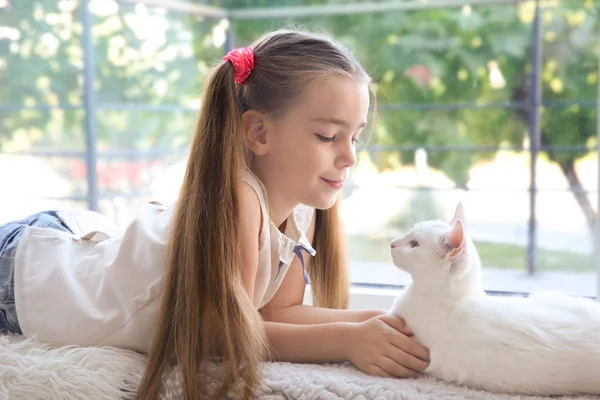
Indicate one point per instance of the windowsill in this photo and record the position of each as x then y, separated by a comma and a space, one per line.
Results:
366, 296
382, 296
373, 297
498, 280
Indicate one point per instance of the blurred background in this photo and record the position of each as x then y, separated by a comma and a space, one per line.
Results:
490, 102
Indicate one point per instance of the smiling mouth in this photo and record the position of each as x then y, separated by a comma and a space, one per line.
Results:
334, 184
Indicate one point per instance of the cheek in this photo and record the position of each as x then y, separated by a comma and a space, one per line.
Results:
302, 151
315, 155
411, 258
288, 159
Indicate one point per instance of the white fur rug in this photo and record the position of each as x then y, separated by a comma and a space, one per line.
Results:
31, 370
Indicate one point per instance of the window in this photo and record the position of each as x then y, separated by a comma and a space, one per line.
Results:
475, 103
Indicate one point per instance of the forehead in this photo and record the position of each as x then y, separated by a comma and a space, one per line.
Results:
340, 98
429, 227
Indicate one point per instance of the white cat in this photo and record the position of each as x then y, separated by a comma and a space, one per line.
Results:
547, 344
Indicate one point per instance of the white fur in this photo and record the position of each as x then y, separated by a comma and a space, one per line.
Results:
547, 344
33, 370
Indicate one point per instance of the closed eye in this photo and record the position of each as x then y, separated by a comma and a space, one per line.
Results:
325, 138
413, 243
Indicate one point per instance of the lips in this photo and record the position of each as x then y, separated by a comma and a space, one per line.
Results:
336, 184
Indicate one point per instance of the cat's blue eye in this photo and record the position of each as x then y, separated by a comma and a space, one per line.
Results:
413, 243
324, 138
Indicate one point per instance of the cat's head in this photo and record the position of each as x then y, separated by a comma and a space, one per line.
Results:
439, 253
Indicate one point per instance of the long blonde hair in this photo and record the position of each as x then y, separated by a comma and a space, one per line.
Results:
205, 310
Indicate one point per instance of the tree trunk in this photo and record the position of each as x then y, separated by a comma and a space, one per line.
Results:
520, 94
568, 169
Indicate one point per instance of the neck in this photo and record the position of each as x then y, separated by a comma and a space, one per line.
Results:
280, 206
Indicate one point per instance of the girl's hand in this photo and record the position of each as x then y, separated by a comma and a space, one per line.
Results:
382, 346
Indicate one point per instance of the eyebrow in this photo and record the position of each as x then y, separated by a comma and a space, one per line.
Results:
338, 122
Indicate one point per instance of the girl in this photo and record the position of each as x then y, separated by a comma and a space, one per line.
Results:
222, 273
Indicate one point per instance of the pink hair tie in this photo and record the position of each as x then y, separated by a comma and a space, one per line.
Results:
243, 62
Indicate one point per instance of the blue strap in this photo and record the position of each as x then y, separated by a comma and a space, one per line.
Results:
298, 251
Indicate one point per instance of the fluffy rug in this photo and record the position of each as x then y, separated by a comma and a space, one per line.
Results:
31, 370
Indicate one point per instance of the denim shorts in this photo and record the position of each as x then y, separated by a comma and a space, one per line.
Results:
9, 238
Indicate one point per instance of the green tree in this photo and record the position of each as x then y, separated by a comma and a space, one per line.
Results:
142, 56
426, 59
480, 54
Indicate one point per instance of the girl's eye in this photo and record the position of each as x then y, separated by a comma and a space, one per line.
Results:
413, 243
325, 138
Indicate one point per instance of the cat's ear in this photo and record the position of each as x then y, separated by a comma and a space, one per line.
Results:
453, 242
459, 214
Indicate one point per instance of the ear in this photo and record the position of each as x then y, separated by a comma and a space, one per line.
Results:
459, 214
453, 242
254, 129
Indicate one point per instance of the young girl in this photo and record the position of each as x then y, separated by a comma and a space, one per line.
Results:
222, 273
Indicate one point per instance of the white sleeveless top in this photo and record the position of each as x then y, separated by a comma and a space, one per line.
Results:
101, 285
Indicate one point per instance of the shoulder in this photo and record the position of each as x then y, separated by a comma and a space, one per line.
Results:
249, 229
249, 213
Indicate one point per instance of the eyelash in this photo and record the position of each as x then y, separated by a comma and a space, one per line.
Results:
413, 243
326, 139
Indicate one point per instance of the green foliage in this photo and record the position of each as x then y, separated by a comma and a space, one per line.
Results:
142, 56
423, 60
493, 255
422, 207
428, 59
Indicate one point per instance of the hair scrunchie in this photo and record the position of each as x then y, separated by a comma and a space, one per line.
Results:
243, 62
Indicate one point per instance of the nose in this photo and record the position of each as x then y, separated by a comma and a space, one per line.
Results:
347, 156
393, 244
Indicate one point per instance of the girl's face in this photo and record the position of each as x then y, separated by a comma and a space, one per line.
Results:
311, 147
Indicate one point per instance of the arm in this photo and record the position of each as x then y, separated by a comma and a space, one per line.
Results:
248, 236
374, 345
308, 343
286, 306
318, 343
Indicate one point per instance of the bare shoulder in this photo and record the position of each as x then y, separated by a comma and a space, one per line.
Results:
249, 226
249, 207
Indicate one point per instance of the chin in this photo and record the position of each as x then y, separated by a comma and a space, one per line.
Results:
326, 205
396, 261
321, 207
402, 268
321, 203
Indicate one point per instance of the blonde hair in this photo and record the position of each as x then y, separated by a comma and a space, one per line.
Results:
205, 310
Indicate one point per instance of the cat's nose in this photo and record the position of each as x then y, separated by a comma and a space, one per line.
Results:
392, 245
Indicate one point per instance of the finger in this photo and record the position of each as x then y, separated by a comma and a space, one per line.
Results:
397, 323
377, 371
395, 369
407, 360
411, 346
